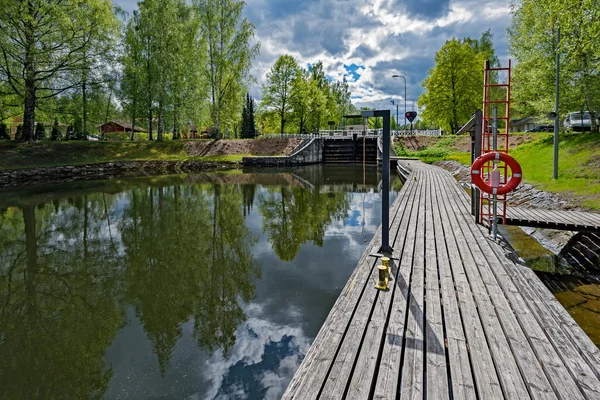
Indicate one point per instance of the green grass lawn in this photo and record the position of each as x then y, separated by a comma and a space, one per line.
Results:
579, 166
49, 154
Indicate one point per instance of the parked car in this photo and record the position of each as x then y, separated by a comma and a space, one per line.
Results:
578, 121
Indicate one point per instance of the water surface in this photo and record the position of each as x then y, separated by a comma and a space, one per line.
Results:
200, 286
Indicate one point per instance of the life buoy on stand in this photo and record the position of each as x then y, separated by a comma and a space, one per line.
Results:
477, 173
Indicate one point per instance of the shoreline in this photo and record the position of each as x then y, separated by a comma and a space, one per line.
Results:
108, 170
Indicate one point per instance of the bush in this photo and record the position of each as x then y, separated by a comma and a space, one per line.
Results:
19, 133
40, 132
55, 134
4, 132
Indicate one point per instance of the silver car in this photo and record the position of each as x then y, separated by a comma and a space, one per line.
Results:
578, 121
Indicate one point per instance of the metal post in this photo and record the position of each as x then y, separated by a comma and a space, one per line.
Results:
495, 197
397, 119
556, 120
385, 201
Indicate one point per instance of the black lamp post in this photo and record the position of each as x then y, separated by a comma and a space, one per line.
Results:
385, 201
392, 101
400, 76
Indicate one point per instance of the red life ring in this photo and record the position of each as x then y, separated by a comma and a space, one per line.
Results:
477, 173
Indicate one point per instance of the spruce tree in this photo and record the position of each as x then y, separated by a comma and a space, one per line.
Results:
250, 117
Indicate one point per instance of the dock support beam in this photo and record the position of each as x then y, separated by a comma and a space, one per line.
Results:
385, 201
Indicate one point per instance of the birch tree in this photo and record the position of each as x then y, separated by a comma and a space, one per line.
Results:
229, 57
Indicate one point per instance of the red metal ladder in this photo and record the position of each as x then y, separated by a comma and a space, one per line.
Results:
493, 96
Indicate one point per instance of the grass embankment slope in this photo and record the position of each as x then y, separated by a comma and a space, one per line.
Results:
50, 154
579, 160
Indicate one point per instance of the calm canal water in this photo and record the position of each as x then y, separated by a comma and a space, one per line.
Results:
191, 287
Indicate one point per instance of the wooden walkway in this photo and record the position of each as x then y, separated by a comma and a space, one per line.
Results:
462, 319
563, 220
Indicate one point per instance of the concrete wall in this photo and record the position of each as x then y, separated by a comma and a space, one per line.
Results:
309, 152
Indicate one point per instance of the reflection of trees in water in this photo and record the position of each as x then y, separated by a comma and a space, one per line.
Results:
58, 312
293, 216
189, 255
68, 269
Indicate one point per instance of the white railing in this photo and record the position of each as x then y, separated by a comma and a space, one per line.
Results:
348, 133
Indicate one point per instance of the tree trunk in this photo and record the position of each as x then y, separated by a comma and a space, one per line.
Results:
133, 120
150, 123
282, 117
29, 114
160, 121
84, 101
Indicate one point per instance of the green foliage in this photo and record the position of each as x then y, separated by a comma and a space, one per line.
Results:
248, 124
278, 88
311, 99
45, 46
229, 56
533, 43
454, 87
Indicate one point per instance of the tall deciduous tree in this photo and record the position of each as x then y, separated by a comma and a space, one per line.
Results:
533, 43
42, 42
453, 89
230, 52
278, 88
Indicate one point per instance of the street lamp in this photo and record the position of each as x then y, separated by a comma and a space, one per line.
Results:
400, 76
393, 103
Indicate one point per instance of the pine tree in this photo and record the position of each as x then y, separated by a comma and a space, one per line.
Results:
55, 135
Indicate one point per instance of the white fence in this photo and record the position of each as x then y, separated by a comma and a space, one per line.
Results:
370, 132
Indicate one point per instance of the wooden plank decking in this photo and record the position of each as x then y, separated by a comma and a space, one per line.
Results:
463, 317
563, 220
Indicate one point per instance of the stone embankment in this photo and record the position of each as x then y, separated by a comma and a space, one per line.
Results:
119, 169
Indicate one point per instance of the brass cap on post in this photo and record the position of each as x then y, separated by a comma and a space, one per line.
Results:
386, 263
382, 283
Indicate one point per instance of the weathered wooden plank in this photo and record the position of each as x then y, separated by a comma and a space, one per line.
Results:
362, 379
546, 308
341, 369
527, 361
437, 374
389, 369
411, 383
511, 380
486, 379
458, 357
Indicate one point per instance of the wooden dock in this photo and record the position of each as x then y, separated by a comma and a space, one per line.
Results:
463, 317
563, 220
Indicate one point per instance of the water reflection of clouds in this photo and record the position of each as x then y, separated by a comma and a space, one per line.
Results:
256, 339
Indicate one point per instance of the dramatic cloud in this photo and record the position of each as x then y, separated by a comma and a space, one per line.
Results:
369, 41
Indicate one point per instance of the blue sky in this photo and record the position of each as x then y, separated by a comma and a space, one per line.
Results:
368, 41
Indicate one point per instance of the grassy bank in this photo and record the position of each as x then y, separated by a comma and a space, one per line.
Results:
579, 161
50, 154
579, 166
